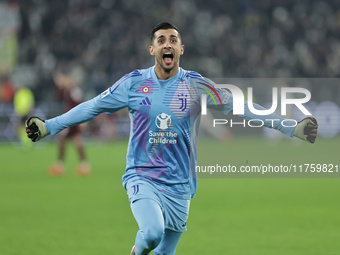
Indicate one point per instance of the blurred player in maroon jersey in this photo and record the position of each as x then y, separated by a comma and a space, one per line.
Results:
71, 95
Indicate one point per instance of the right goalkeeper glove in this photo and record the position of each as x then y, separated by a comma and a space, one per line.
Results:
35, 128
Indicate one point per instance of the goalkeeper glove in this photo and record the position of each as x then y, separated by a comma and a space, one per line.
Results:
35, 128
307, 129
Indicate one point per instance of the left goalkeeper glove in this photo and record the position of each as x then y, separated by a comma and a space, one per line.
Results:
307, 129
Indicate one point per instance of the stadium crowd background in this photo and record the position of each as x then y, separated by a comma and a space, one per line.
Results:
99, 41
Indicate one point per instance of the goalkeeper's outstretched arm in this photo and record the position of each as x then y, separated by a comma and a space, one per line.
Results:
305, 129
37, 128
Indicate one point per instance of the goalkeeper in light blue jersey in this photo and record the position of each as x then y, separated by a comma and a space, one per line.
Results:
164, 103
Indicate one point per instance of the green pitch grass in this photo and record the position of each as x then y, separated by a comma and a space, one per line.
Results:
71, 215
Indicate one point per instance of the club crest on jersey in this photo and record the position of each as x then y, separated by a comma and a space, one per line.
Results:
145, 89
183, 99
163, 121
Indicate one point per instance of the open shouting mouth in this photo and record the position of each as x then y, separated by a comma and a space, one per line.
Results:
168, 58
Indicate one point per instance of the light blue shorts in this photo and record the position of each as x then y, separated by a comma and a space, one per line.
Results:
175, 210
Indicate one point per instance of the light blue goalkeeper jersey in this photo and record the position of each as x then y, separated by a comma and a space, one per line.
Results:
165, 116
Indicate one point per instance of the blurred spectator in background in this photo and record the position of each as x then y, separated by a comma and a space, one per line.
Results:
7, 91
23, 106
71, 95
